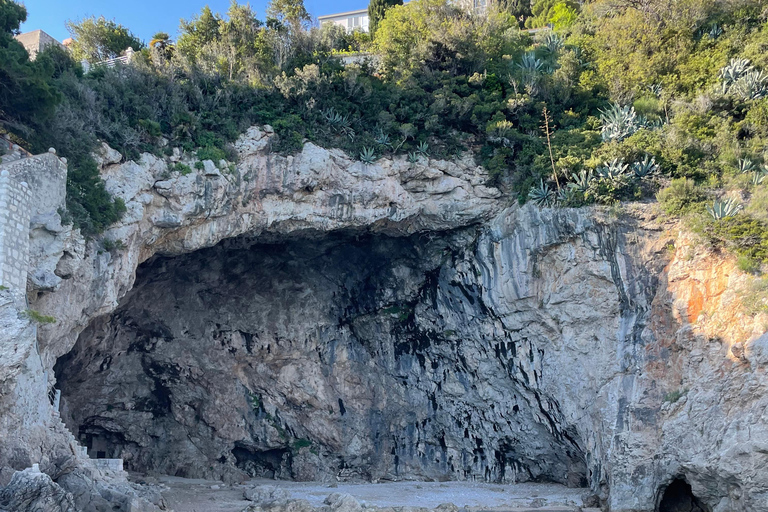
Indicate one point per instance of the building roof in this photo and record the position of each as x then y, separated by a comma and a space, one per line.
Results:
342, 14
36, 41
30, 38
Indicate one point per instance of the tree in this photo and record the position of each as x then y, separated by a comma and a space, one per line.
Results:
377, 9
25, 91
292, 12
543, 10
562, 16
100, 39
520, 9
198, 32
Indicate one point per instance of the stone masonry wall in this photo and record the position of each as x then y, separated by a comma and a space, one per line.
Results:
15, 205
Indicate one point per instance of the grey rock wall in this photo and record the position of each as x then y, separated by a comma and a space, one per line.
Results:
311, 317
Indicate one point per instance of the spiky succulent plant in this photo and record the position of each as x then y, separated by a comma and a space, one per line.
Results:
382, 139
734, 70
530, 64
553, 42
542, 195
368, 156
722, 209
581, 181
647, 167
751, 86
423, 149
746, 165
740, 78
758, 177
413, 157
614, 170
620, 122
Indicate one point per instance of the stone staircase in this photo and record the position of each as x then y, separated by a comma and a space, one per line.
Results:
107, 468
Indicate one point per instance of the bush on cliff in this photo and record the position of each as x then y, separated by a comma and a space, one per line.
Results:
656, 82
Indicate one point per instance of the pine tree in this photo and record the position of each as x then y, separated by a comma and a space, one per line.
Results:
376, 11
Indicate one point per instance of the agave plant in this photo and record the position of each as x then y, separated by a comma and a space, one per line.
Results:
614, 170
715, 31
331, 116
620, 122
735, 69
382, 139
734, 72
413, 157
542, 195
530, 64
723, 209
648, 167
758, 177
368, 156
581, 181
746, 165
751, 86
553, 42
423, 149
656, 89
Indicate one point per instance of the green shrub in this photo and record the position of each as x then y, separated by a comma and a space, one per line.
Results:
301, 443
674, 396
181, 168
38, 317
744, 235
755, 296
681, 197
110, 245
748, 265
211, 153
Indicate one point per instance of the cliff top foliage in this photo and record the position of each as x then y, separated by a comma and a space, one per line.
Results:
613, 102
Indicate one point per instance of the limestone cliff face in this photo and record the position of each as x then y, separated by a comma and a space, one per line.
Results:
310, 317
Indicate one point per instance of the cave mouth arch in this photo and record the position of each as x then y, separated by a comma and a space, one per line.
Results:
678, 497
358, 355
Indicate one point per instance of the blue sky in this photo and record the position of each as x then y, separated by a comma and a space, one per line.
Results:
145, 17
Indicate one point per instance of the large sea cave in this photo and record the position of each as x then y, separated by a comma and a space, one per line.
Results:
351, 356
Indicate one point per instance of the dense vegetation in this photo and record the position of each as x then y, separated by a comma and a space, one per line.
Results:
621, 100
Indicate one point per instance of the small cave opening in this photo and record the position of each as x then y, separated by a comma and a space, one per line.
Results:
678, 497
303, 356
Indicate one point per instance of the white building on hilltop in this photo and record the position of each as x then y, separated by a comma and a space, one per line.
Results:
358, 20
352, 20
